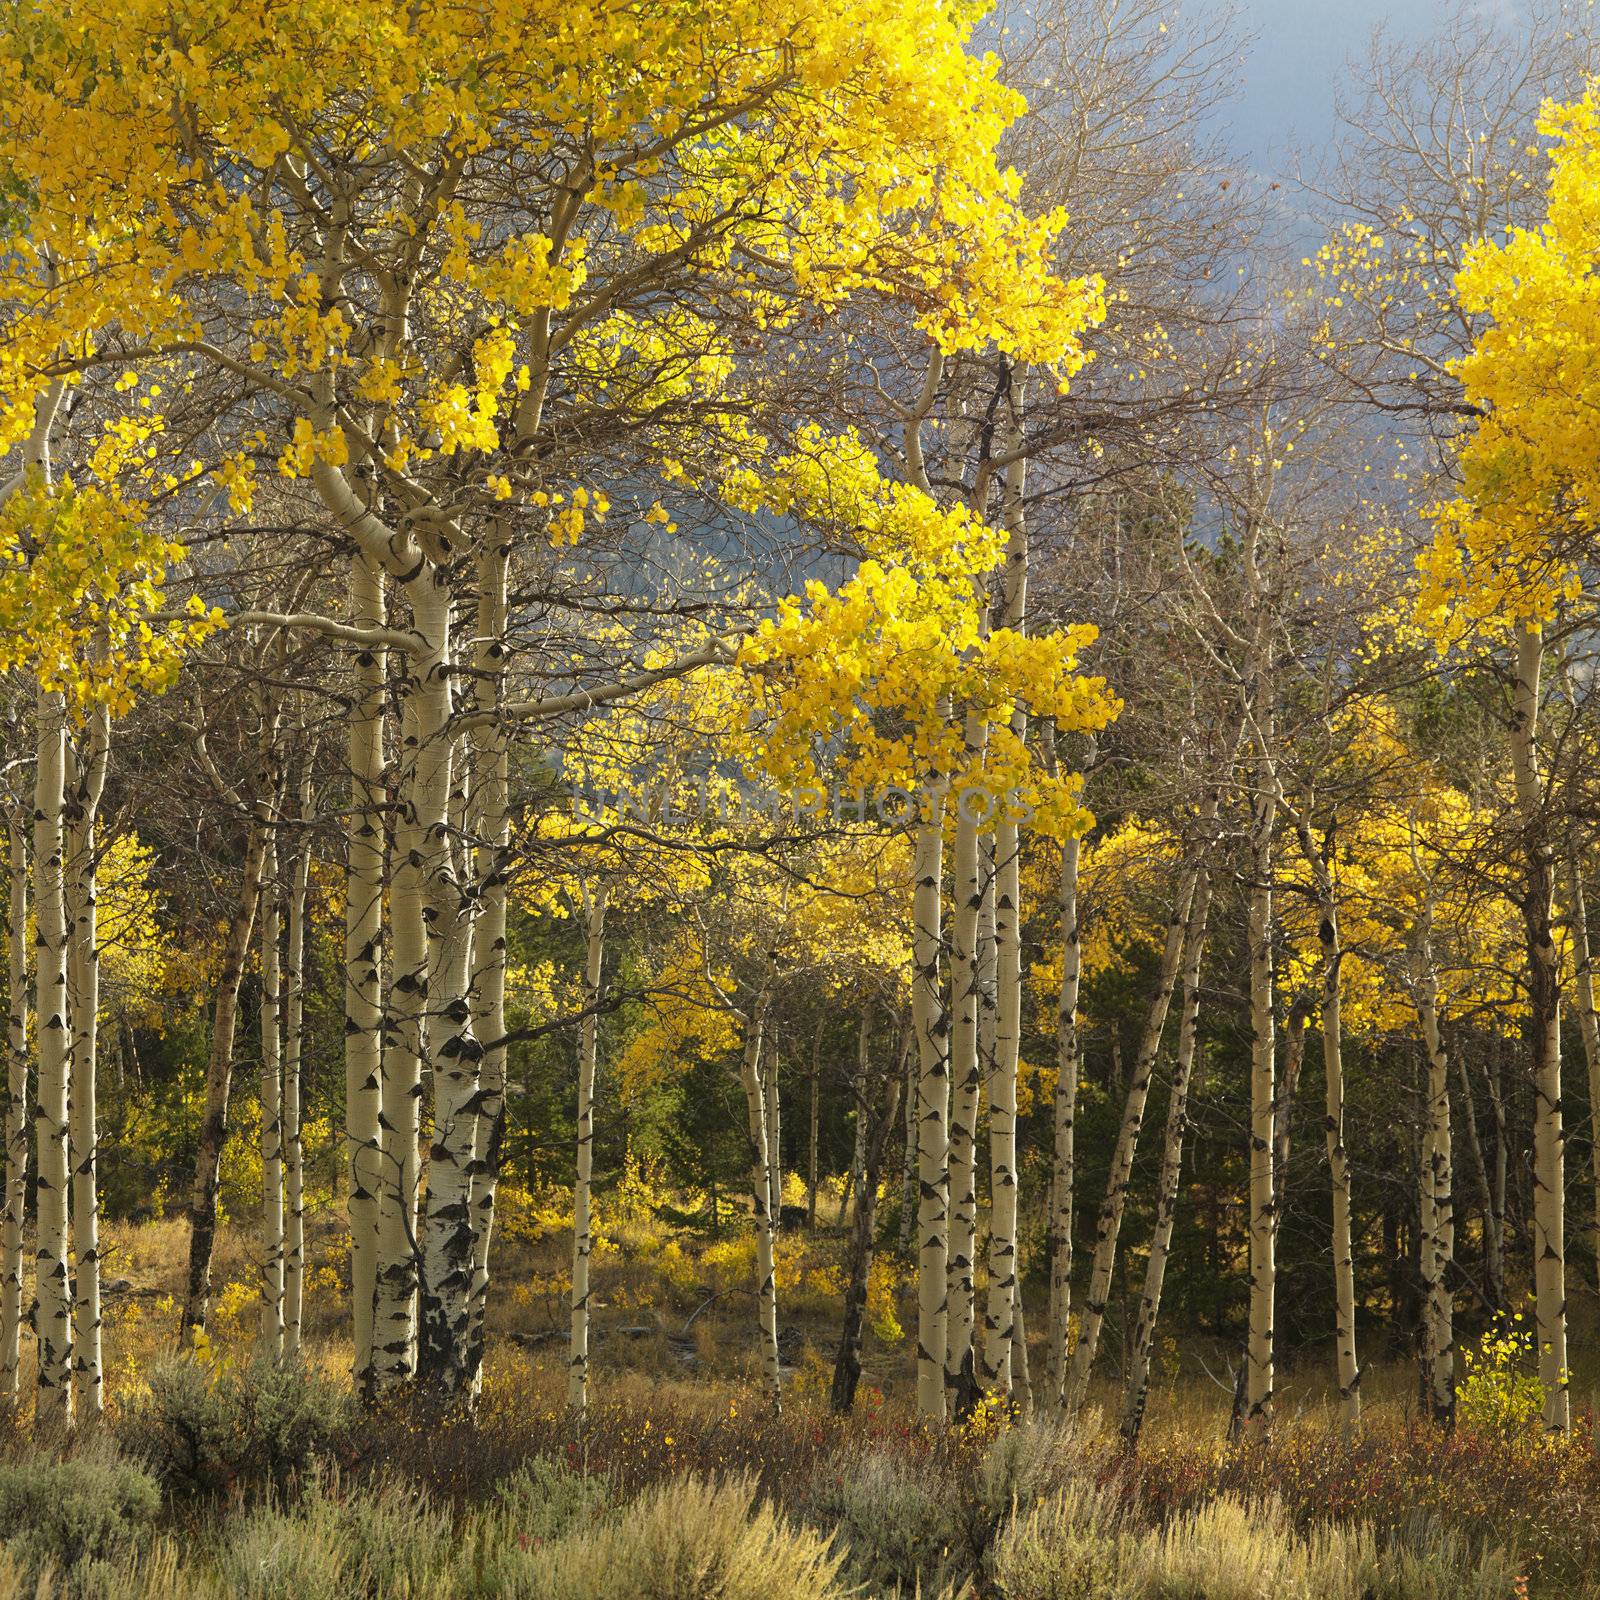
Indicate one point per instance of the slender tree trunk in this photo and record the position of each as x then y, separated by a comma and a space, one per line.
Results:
394, 1332
294, 994
1588, 1027
1112, 1207
492, 793
452, 1050
1544, 986
769, 1095
1344, 1270
271, 1100
1263, 1090
847, 1364
219, 1083
1438, 1201
933, 1106
811, 1147
52, 1284
966, 1078
1469, 1119
1493, 1071
594, 919
363, 963
1137, 1392
750, 1075
1063, 1177
83, 985
1000, 1308
16, 1117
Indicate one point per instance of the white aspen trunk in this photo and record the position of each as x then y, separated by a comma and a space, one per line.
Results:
52, 1284
1438, 1241
769, 1097
1065, 1111
1109, 1224
1259, 1357
594, 917
1544, 987
83, 1118
394, 1332
491, 799
966, 1078
219, 1084
1588, 1027
1344, 1271
271, 1103
363, 963
1000, 1305
750, 1075
847, 1364
451, 1047
16, 1123
933, 1106
294, 995
1137, 1391
858, 1154
813, 1132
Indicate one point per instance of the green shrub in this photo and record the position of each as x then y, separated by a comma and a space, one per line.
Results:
59, 1515
686, 1540
1428, 1562
1499, 1392
899, 1526
545, 1499
207, 1433
370, 1545
1070, 1546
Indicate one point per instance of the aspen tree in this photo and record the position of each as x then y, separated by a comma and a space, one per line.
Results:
224, 1019
52, 1283
87, 786
1112, 1207
877, 1110
365, 1028
1588, 1020
933, 1105
594, 915
294, 1055
1064, 1170
1137, 1389
16, 1126
1332, 1030
1544, 983
1000, 1310
271, 1104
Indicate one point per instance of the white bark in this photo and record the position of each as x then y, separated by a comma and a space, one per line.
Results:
52, 1284
965, 1074
933, 1106
16, 1112
1260, 1352
1544, 986
750, 1076
1137, 1391
271, 1107
594, 916
363, 963
491, 799
83, 988
294, 991
1109, 1225
1063, 1176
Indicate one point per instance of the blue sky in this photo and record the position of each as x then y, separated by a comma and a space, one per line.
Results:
1293, 62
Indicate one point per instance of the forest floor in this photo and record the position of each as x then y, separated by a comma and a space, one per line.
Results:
225, 1478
